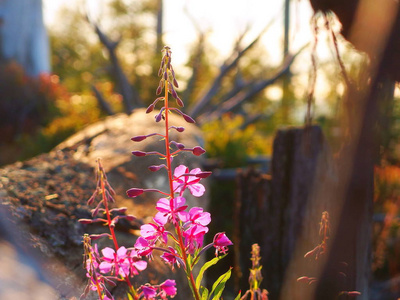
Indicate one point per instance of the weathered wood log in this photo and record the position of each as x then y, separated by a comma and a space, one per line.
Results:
281, 211
46, 196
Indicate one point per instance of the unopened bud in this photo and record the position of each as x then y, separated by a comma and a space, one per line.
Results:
173, 92
139, 153
179, 102
134, 192
97, 236
130, 218
175, 83
156, 168
85, 221
188, 118
150, 108
119, 210
198, 151
159, 90
158, 117
203, 174
353, 293
139, 138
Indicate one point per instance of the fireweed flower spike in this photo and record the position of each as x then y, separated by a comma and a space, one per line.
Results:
176, 233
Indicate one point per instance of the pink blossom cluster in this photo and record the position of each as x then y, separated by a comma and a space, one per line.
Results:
176, 232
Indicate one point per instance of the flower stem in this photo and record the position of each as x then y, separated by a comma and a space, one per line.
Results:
189, 272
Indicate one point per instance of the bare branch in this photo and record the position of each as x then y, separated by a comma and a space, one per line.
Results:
249, 91
104, 106
227, 66
130, 97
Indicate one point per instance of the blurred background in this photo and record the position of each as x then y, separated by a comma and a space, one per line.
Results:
245, 69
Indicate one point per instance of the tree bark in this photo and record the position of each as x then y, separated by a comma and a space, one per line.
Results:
23, 36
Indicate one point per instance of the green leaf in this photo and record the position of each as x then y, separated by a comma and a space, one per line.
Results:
219, 285
238, 296
205, 267
204, 293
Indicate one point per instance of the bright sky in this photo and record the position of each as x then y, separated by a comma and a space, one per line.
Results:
224, 19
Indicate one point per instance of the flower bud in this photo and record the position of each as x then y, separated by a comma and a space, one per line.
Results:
119, 210
173, 92
179, 129
134, 192
97, 236
130, 218
150, 108
156, 168
353, 293
175, 83
198, 151
188, 118
158, 91
179, 102
139, 153
158, 117
85, 221
139, 138
204, 174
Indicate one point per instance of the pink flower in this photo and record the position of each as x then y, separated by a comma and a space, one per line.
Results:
142, 247
154, 232
180, 182
194, 237
170, 257
167, 288
172, 209
149, 292
115, 261
135, 263
221, 242
198, 216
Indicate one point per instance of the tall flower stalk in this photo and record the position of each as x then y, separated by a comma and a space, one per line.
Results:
180, 247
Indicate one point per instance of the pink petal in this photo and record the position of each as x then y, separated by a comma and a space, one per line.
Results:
108, 253
197, 189
182, 169
121, 252
140, 265
105, 267
161, 218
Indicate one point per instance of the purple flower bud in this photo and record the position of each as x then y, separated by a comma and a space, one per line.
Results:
139, 153
155, 168
158, 117
188, 118
158, 91
204, 174
179, 129
160, 71
173, 92
85, 221
130, 218
139, 138
97, 236
175, 83
150, 108
198, 151
178, 145
119, 210
91, 199
179, 102
165, 75
134, 192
